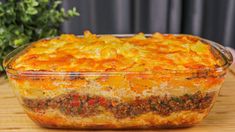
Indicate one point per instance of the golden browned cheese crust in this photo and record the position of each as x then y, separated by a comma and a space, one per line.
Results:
109, 53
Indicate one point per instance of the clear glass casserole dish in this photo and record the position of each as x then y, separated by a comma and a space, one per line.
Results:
117, 99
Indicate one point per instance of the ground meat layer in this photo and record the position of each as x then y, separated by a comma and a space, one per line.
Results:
74, 104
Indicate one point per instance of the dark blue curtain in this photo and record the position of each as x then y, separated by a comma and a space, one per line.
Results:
211, 19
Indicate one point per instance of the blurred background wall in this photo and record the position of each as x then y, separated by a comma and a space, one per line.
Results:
211, 19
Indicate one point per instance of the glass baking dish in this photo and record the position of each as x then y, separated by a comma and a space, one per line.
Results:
99, 100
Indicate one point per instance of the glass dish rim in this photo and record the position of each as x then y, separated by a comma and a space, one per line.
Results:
224, 53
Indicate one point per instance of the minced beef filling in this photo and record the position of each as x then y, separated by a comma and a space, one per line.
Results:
85, 105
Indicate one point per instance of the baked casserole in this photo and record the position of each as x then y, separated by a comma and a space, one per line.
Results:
118, 81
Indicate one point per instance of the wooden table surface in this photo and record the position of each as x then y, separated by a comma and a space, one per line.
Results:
221, 118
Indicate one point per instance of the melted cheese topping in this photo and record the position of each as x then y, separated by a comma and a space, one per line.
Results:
109, 53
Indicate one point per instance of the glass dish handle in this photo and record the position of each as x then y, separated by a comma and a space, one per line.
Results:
227, 54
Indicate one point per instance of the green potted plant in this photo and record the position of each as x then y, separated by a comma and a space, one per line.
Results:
24, 21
